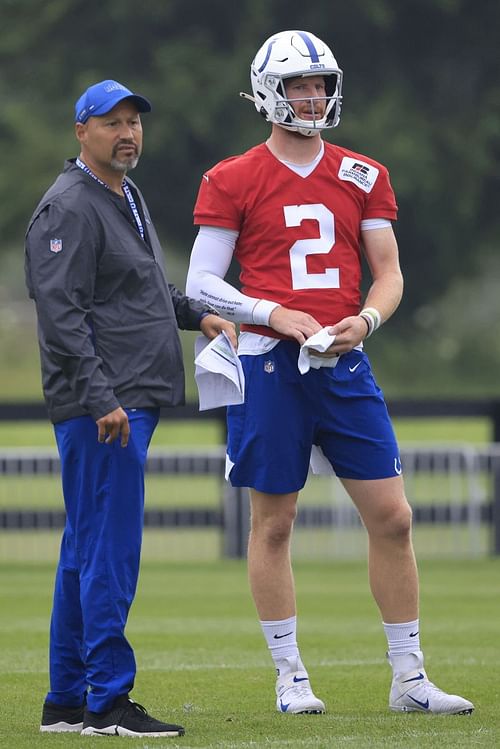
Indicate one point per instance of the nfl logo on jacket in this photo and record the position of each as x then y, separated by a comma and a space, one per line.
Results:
55, 245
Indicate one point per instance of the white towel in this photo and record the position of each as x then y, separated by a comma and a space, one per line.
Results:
320, 341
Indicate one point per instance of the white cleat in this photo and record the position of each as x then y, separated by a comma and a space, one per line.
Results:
294, 695
413, 692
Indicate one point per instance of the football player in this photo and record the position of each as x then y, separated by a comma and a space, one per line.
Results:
298, 214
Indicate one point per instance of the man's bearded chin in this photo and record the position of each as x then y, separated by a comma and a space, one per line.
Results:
123, 165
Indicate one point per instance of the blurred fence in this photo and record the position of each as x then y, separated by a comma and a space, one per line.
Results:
405, 408
192, 512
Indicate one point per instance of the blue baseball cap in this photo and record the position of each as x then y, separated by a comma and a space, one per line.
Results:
102, 97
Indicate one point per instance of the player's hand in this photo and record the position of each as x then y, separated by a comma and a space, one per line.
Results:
348, 333
212, 325
293, 323
110, 426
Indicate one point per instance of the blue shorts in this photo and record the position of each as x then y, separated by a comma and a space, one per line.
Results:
341, 409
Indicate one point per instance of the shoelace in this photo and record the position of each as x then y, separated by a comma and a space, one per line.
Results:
429, 689
300, 690
137, 707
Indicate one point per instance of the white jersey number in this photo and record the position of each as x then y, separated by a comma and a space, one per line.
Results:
301, 279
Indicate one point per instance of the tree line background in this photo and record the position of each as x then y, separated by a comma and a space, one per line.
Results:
421, 95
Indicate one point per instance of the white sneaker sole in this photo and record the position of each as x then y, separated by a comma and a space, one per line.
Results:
120, 731
62, 727
405, 709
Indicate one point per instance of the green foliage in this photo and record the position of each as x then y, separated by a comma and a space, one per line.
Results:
421, 94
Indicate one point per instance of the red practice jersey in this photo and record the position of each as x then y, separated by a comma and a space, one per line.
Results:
299, 238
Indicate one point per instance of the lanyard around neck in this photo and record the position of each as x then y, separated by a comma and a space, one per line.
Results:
126, 190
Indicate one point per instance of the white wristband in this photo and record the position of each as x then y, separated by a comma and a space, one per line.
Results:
262, 311
372, 319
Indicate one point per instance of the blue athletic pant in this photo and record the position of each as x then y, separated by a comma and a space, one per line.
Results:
96, 578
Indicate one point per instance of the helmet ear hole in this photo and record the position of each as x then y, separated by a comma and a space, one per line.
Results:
331, 84
280, 88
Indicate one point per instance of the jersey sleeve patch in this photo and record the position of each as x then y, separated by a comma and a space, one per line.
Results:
362, 174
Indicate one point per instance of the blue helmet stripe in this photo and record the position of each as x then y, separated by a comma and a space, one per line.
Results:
268, 55
310, 46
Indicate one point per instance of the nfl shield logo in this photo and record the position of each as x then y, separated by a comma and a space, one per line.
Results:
269, 366
56, 245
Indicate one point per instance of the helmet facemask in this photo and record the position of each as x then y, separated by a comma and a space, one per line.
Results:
286, 117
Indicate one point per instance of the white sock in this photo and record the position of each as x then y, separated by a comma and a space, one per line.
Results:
404, 646
281, 638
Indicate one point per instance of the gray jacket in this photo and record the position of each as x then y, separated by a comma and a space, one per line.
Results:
107, 317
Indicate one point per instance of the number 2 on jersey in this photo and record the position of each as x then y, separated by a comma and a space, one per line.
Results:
301, 279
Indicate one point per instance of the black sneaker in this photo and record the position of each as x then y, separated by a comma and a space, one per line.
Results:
59, 719
127, 718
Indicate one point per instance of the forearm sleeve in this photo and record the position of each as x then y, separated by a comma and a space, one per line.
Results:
210, 260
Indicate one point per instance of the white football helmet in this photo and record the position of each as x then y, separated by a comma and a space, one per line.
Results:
289, 54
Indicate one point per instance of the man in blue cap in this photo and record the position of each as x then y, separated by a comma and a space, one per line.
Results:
108, 323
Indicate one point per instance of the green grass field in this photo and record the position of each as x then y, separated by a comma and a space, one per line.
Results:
201, 657
202, 660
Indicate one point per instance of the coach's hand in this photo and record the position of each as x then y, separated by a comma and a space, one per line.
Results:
212, 325
110, 426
